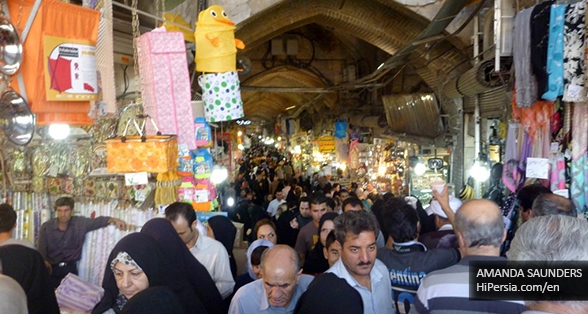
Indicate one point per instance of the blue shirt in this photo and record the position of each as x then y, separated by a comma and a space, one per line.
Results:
252, 298
379, 299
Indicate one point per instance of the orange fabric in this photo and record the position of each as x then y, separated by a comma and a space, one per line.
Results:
535, 117
54, 18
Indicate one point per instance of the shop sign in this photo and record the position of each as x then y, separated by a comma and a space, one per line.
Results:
69, 69
326, 144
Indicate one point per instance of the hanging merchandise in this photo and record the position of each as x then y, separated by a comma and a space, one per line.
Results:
66, 21
186, 190
539, 44
221, 94
216, 59
579, 168
166, 189
165, 83
340, 128
202, 164
555, 53
204, 196
105, 57
575, 30
203, 132
216, 46
185, 161
526, 87
143, 153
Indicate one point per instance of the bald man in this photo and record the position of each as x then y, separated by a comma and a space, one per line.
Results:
553, 204
280, 288
480, 232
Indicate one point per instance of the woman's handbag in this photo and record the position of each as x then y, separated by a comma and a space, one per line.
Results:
142, 153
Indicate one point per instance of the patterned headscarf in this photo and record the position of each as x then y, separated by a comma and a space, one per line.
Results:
124, 258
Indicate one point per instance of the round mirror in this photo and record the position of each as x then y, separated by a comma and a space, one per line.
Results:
16, 118
10, 48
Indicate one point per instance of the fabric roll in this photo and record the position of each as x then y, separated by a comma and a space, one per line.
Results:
574, 36
539, 42
555, 53
526, 85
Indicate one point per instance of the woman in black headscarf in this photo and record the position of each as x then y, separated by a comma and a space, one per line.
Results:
185, 264
133, 258
27, 267
316, 262
222, 229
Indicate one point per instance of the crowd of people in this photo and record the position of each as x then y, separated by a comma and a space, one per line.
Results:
315, 247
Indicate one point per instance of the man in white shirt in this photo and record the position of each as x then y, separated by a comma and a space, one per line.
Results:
272, 208
356, 231
281, 285
209, 252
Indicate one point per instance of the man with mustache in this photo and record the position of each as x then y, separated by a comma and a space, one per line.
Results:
356, 231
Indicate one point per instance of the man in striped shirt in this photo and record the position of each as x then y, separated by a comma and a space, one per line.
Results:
480, 232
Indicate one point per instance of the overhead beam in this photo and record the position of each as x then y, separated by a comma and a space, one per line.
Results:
280, 89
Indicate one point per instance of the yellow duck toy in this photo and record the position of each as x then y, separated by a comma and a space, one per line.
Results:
216, 45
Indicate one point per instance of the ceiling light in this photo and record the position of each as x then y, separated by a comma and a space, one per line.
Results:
291, 107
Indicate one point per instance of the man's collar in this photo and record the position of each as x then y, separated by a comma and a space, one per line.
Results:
198, 243
343, 273
56, 223
411, 246
446, 227
468, 258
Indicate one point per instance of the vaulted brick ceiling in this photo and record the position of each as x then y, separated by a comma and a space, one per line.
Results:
356, 25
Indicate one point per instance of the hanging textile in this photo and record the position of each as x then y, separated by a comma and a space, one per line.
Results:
579, 158
526, 86
534, 118
539, 41
525, 153
574, 36
105, 57
340, 128
557, 176
511, 158
555, 53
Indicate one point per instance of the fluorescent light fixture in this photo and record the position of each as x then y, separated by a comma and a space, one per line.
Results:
380, 66
291, 107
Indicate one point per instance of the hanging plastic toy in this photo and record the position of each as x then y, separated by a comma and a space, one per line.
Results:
216, 50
